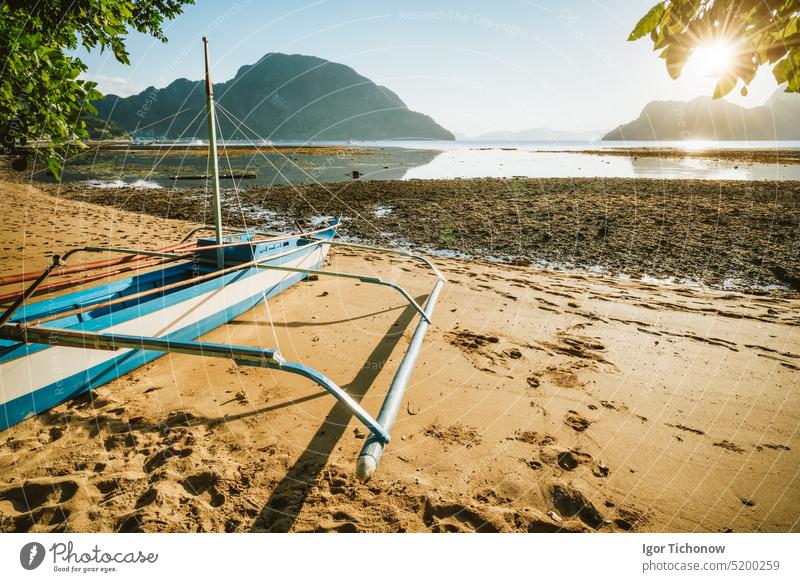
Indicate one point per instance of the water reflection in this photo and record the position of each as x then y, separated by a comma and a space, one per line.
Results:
420, 160
711, 169
508, 163
153, 169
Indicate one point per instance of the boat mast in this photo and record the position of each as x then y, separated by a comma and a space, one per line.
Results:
212, 155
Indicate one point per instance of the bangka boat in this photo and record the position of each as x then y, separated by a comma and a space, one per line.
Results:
63, 345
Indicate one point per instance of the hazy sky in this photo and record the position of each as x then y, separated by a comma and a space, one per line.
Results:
473, 66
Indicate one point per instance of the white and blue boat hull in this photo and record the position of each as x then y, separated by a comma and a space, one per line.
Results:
34, 377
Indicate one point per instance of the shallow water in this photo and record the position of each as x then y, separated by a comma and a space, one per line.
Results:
499, 163
427, 160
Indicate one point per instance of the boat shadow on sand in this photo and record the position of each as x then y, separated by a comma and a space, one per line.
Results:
287, 499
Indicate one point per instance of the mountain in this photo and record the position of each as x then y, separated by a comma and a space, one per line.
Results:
714, 119
539, 134
103, 129
281, 97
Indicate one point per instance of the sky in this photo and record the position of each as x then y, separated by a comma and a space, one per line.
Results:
475, 67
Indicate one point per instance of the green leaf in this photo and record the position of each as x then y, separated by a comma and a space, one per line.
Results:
724, 86
782, 70
676, 56
648, 22
54, 165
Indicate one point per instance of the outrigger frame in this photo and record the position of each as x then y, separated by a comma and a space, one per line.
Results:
34, 332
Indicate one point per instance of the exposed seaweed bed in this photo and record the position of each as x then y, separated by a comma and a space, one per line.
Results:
727, 234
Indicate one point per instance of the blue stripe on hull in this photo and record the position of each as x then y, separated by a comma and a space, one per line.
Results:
23, 407
103, 318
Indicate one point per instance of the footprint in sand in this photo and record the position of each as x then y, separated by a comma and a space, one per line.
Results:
773, 447
577, 422
469, 340
131, 523
477, 347
161, 458
570, 502
578, 346
30, 496
533, 438
454, 434
107, 487
453, 517
563, 378
147, 498
682, 427
569, 460
629, 519
205, 485
612, 405
37, 504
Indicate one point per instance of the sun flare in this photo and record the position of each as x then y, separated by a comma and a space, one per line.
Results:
713, 60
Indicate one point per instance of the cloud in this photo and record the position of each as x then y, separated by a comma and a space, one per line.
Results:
114, 84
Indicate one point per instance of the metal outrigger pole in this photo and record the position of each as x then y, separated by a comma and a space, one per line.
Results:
372, 451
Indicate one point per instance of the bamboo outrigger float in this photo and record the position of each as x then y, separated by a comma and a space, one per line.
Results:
64, 345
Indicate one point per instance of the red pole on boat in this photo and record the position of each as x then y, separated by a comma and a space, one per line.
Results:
80, 267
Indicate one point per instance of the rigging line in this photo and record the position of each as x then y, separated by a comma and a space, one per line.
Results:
230, 170
271, 321
205, 189
158, 161
232, 118
237, 123
270, 162
351, 249
275, 167
173, 144
244, 222
291, 162
299, 193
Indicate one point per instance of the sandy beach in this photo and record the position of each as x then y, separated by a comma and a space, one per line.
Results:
543, 401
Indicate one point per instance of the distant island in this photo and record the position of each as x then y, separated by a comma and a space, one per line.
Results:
281, 97
704, 118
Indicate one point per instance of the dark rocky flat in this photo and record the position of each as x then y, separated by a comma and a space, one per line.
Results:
734, 234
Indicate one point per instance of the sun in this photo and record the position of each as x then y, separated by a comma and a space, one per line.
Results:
713, 60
